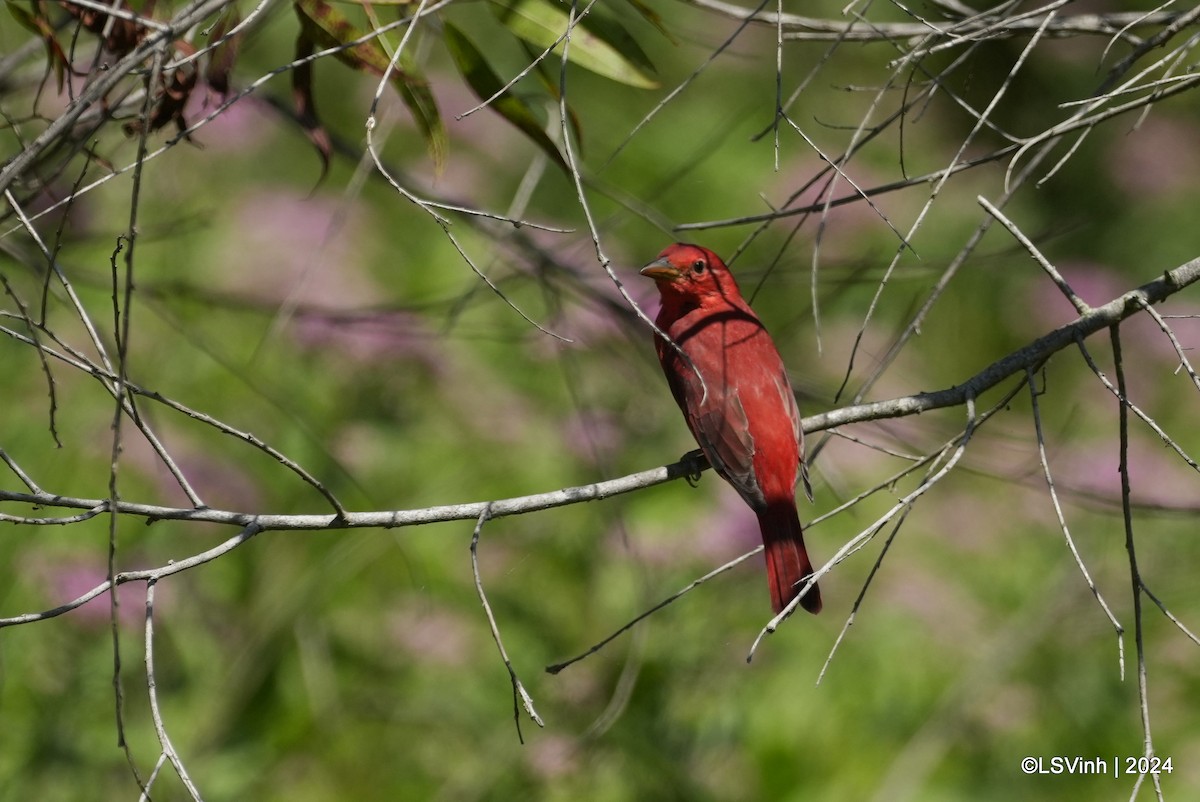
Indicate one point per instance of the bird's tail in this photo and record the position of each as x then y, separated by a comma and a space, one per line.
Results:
787, 561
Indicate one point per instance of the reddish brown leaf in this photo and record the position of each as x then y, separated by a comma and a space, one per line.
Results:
306, 106
224, 55
325, 26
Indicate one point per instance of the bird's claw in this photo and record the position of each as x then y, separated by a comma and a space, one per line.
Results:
694, 462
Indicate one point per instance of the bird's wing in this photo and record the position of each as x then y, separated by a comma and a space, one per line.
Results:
714, 408
793, 412
723, 432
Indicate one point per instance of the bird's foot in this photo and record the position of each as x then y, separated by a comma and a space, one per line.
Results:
694, 463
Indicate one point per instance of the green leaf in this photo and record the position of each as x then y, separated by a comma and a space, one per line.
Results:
600, 45
325, 26
551, 85
22, 16
651, 16
485, 83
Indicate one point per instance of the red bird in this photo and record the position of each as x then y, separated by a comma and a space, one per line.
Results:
743, 414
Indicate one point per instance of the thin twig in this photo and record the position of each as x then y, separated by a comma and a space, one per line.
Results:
24, 477
113, 384
865, 536
104, 82
1080, 305
427, 206
1177, 24
1179, 349
121, 337
836, 432
799, 27
80, 362
530, 67
695, 583
521, 697
1192, 636
144, 796
684, 84
160, 728
1015, 363
1062, 524
171, 568
862, 594
936, 190
1169, 441
113, 11
572, 160
1135, 578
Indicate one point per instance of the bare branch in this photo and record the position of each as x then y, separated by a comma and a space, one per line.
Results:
1062, 523
864, 537
1015, 363
164, 740
1135, 578
1080, 305
1011, 365
1174, 26
1169, 441
1184, 362
521, 697
816, 29
173, 567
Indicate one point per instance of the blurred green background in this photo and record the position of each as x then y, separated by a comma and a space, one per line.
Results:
335, 320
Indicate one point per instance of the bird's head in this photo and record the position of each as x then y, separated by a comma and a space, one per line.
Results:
684, 271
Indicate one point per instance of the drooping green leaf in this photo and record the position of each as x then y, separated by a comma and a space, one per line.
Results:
22, 16
325, 26
551, 85
598, 44
652, 16
485, 83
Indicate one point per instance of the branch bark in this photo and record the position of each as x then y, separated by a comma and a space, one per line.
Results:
986, 25
1029, 357
1015, 364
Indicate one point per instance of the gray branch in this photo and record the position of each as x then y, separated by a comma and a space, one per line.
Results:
1015, 364
986, 25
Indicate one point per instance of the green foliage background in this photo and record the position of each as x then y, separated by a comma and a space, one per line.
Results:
337, 322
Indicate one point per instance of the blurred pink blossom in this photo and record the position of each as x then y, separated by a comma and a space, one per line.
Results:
431, 635
553, 756
1157, 474
1157, 159
1096, 284
67, 578
373, 337
721, 528
240, 128
299, 251
593, 436
220, 482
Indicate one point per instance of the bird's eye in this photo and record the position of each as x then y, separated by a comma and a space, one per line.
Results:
698, 266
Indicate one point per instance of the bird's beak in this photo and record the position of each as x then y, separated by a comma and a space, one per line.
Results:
661, 270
